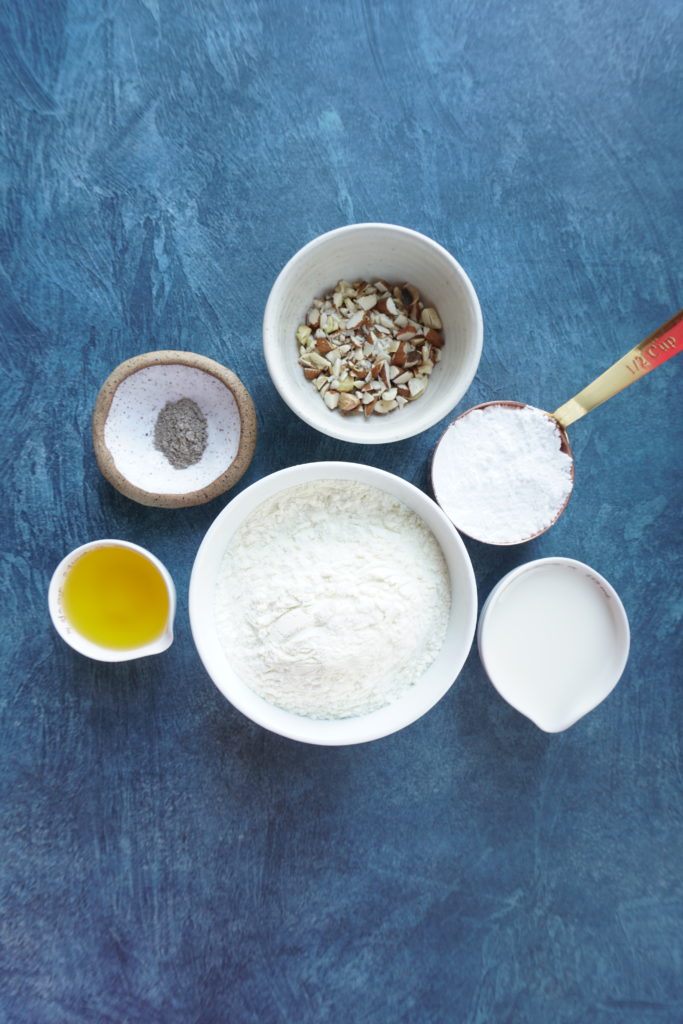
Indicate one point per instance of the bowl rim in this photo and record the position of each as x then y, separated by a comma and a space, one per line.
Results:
357, 729
623, 640
337, 426
169, 357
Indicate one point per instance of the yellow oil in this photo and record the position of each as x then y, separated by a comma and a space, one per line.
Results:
115, 597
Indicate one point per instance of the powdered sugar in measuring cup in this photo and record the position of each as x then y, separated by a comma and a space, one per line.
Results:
503, 472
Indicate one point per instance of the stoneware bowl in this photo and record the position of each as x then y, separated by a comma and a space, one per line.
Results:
554, 640
334, 732
126, 412
397, 255
82, 644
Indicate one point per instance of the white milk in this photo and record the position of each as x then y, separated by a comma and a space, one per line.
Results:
554, 640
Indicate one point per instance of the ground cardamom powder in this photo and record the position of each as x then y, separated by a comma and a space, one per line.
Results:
180, 433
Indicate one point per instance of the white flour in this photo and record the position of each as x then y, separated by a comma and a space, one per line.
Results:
499, 473
332, 599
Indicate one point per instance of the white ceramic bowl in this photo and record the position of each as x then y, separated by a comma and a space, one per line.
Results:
373, 251
420, 697
81, 643
554, 640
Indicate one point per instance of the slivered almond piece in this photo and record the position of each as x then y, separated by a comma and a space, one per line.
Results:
348, 403
434, 338
316, 359
329, 323
406, 334
399, 356
383, 407
430, 318
355, 320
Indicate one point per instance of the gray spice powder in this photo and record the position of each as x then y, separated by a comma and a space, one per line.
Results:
180, 433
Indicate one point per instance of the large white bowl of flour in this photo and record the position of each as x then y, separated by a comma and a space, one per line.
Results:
333, 603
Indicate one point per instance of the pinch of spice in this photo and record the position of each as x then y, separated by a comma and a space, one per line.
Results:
180, 433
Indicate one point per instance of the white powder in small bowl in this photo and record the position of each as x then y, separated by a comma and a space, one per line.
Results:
500, 473
332, 599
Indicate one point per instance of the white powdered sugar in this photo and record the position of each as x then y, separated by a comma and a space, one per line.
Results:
500, 474
332, 599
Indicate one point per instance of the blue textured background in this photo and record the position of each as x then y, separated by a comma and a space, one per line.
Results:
164, 861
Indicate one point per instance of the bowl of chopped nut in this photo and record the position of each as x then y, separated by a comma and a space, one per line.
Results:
372, 333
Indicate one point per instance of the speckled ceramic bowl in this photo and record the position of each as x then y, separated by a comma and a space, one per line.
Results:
126, 413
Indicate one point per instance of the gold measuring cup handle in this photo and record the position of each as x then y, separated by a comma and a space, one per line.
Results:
659, 346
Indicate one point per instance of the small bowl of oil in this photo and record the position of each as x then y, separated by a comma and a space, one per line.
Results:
113, 601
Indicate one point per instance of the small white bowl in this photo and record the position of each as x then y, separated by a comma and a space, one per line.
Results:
373, 251
81, 643
334, 732
554, 639
126, 411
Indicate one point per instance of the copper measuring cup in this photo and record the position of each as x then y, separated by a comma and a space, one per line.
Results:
654, 350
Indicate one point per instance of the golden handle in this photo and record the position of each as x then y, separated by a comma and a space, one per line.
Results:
659, 346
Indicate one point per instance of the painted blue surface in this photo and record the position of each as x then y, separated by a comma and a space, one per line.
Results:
163, 859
